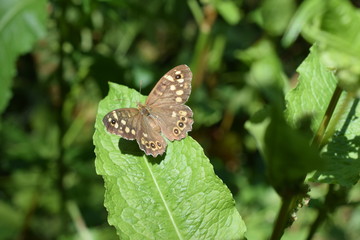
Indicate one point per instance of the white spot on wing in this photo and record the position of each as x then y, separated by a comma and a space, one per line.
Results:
182, 113
170, 78
179, 92
115, 115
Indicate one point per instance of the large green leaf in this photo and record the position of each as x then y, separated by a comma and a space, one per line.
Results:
286, 150
22, 22
177, 196
342, 152
312, 97
313, 92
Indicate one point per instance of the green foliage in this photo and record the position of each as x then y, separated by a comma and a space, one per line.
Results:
25, 18
338, 39
180, 184
310, 98
274, 19
342, 152
275, 96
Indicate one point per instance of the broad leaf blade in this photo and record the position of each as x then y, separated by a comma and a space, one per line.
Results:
342, 152
177, 197
313, 92
22, 22
311, 97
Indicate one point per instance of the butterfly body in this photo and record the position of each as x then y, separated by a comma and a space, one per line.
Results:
164, 114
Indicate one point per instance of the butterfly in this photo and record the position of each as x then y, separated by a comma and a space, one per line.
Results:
164, 114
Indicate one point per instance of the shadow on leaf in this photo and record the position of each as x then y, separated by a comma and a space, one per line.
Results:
132, 148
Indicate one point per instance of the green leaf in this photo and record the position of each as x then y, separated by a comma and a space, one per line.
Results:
340, 42
342, 152
290, 149
334, 28
311, 97
257, 126
313, 92
177, 196
308, 11
229, 11
287, 151
265, 65
22, 23
274, 15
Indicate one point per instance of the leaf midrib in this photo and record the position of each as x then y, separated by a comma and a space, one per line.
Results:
162, 198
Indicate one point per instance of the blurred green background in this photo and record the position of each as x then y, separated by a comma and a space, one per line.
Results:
49, 188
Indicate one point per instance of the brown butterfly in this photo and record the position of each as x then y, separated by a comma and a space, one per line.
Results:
164, 114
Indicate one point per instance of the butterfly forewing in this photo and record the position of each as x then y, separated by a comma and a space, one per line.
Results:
167, 100
124, 122
173, 88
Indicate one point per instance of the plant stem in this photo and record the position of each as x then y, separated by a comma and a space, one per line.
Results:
320, 218
319, 136
282, 218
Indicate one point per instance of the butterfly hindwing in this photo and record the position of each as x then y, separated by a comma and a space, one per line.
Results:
149, 137
175, 121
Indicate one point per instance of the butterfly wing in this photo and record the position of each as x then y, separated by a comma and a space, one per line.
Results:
149, 137
123, 122
130, 124
175, 120
166, 103
172, 89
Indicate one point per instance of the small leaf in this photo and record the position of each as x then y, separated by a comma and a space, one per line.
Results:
308, 11
229, 11
274, 15
177, 196
265, 65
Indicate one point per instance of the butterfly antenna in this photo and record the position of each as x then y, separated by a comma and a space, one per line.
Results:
140, 86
